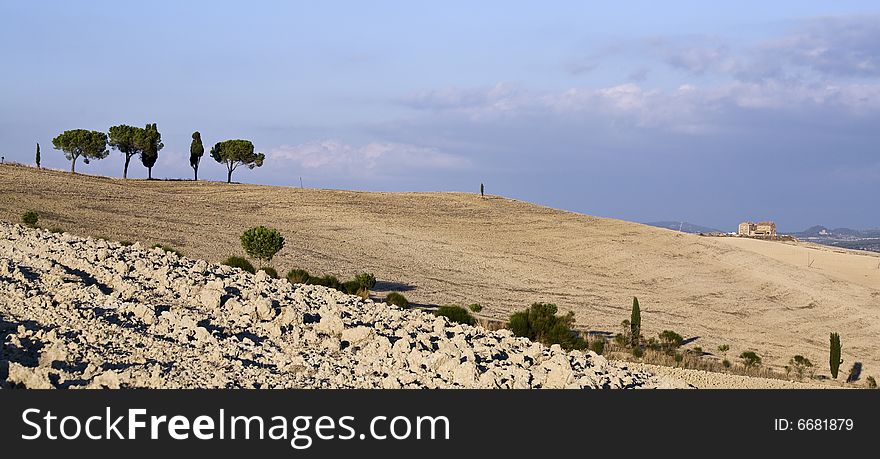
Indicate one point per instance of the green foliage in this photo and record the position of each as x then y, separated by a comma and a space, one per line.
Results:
750, 359
597, 345
351, 287
127, 140
150, 143
56, 230
196, 151
798, 365
475, 307
126, 243
540, 323
456, 314
30, 218
635, 322
834, 358
298, 276
366, 280
397, 299
871, 382
723, 348
91, 145
637, 352
725, 363
168, 249
240, 263
38, 156
234, 153
270, 271
262, 243
670, 339
327, 280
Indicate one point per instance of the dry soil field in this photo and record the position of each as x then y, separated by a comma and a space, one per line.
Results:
460, 248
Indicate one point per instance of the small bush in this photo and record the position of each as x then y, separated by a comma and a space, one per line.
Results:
637, 352
351, 287
671, 339
475, 307
456, 314
397, 299
56, 230
168, 249
270, 271
597, 345
750, 359
298, 276
240, 263
725, 363
871, 382
363, 292
367, 280
540, 323
326, 281
262, 243
799, 365
30, 219
126, 243
723, 348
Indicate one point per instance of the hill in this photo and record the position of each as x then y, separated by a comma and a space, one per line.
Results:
443, 248
685, 227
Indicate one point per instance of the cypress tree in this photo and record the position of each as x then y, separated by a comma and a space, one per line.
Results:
38, 155
835, 359
635, 322
196, 150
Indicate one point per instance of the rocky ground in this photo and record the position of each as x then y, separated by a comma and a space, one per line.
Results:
87, 313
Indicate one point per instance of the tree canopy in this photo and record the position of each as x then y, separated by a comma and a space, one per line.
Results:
196, 151
81, 142
150, 144
127, 140
234, 153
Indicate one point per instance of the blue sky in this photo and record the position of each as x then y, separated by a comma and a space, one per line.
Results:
637, 110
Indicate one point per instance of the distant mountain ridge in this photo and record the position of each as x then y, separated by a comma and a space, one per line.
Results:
847, 238
684, 227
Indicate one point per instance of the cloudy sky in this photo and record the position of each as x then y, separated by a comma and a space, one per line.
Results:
697, 112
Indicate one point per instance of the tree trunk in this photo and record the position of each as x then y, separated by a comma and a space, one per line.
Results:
125, 169
73, 165
196, 173
149, 173
229, 176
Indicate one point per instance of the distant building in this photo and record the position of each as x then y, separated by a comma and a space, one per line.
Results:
760, 229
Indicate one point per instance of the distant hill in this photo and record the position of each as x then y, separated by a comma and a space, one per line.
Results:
685, 227
842, 237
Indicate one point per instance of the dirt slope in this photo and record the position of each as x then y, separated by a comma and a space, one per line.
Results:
454, 247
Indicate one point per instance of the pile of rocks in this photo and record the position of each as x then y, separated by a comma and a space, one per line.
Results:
87, 313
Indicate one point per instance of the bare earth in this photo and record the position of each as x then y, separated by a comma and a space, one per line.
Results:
504, 254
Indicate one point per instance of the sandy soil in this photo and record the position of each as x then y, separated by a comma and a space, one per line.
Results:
453, 247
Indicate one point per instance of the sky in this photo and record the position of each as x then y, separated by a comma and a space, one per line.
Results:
686, 111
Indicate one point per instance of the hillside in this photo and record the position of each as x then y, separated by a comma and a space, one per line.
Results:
453, 247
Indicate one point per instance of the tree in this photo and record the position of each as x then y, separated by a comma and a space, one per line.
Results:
799, 365
482, 190
127, 140
750, 359
540, 323
196, 151
150, 144
91, 145
38, 155
635, 322
834, 359
234, 153
262, 243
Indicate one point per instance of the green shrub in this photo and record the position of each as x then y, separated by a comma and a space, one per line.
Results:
637, 352
871, 382
475, 307
540, 323
56, 230
725, 363
351, 287
30, 219
798, 365
671, 339
723, 348
597, 345
750, 359
270, 271
456, 314
262, 243
126, 243
397, 299
326, 280
168, 249
298, 276
366, 280
240, 263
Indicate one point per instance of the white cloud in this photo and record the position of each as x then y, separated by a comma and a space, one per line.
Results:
333, 155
